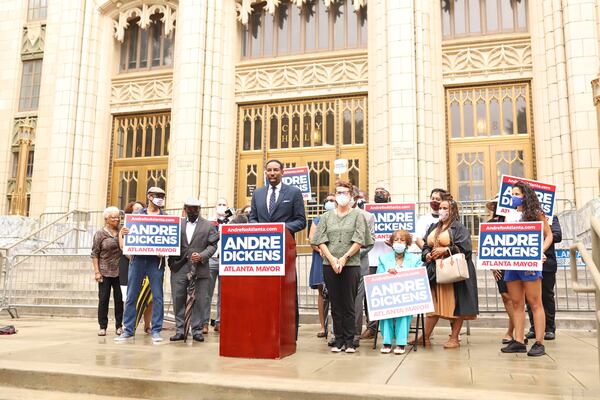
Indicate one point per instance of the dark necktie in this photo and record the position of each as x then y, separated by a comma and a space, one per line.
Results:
272, 199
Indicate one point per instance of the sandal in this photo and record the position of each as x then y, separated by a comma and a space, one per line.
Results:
102, 332
147, 330
321, 334
451, 344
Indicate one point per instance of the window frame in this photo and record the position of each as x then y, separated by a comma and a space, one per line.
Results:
37, 10
29, 97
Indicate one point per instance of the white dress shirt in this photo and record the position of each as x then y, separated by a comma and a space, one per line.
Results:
189, 230
270, 190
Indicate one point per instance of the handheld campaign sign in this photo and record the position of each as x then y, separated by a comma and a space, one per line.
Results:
152, 234
391, 217
511, 246
546, 193
398, 295
299, 177
252, 249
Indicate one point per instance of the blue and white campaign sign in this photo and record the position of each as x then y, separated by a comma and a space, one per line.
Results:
152, 234
397, 295
511, 246
299, 177
252, 249
392, 217
546, 193
563, 258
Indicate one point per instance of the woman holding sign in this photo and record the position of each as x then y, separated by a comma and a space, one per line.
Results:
453, 301
527, 284
340, 235
391, 263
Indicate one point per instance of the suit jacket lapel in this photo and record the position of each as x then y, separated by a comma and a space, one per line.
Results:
183, 233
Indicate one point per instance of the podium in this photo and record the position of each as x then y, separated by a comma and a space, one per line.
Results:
258, 313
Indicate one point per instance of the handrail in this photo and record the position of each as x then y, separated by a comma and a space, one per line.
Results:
34, 233
36, 251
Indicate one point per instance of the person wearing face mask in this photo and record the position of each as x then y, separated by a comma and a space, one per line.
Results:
527, 284
452, 301
425, 221
315, 278
198, 240
340, 235
220, 208
382, 195
141, 266
391, 263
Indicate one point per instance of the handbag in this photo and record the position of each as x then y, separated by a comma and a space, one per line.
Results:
451, 269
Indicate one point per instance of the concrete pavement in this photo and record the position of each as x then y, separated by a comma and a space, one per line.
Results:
53, 356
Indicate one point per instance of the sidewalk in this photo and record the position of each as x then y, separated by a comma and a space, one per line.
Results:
65, 355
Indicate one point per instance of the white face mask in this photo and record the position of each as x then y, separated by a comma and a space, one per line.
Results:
221, 210
329, 205
342, 199
158, 202
444, 215
399, 248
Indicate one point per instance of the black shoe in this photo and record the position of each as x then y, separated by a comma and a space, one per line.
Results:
331, 342
198, 337
177, 337
356, 343
514, 347
537, 350
530, 335
549, 336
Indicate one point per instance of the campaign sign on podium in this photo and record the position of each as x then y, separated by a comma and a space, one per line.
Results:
391, 217
152, 234
258, 291
511, 246
406, 292
252, 249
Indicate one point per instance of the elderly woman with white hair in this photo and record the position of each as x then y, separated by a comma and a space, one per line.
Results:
106, 253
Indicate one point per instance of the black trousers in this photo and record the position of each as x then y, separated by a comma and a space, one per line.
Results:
342, 290
104, 299
548, 283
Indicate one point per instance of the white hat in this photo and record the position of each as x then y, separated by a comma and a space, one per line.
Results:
190, 201
156, 190
382, 186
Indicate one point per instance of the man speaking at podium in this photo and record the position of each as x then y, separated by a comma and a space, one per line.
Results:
279, 202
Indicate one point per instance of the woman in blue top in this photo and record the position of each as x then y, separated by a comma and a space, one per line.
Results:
391, 263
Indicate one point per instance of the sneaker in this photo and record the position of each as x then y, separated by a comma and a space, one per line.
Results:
119, 331
386, 348
530, 335
336, 349
399, 350
514, 347
123, 337
350, 350
537, 350
549, 336
156, 338
102, 332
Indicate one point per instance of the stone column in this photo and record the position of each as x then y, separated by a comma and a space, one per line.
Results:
392, 98
18, 204
202, 89
73, 131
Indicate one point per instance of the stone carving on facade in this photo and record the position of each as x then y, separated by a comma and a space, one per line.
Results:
486, 58
295, 75
596, 91
244, 7
144, 90
28, 120
144, 10
33, 40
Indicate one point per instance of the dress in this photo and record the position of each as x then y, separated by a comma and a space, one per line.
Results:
396, 327
458, 299
315, 278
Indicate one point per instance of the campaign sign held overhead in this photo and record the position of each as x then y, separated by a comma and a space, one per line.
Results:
299, 177
391, 217
152, 234
511, 246
252, 249
546, 193
397, 295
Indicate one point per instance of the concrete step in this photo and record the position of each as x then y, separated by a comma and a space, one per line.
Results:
13, 393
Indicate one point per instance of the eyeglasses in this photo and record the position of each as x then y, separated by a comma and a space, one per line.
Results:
342, 192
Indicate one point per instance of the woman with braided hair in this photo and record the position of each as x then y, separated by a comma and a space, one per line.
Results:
453, 301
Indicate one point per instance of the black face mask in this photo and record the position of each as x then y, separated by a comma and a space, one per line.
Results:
192, 217
380, 198
360, 203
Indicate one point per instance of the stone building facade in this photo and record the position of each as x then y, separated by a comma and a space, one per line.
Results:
102, 98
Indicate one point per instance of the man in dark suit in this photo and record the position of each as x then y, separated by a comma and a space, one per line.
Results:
279, 202
199, 239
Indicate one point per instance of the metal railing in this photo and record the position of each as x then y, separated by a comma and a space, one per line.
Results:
593, 262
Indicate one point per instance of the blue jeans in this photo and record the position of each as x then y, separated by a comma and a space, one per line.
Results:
140, 267
214, 277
